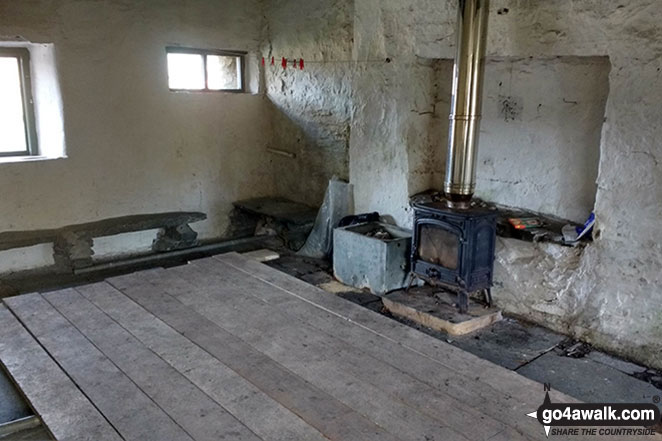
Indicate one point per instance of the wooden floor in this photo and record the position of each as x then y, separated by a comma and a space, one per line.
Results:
226, 348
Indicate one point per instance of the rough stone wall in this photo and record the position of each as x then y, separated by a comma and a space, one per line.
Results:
614, 288
395, 130
400, 117
310, 108
133, 146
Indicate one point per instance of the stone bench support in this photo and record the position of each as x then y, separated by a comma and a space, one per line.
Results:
72, 245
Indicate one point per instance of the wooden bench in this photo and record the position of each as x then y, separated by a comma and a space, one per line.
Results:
72, 245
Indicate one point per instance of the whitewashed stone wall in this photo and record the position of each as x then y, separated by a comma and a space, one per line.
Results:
310, 108
610, 293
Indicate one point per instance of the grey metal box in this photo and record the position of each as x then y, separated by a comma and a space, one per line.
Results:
361, 261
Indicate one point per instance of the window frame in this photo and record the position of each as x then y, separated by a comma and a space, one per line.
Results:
22, 54
205, 52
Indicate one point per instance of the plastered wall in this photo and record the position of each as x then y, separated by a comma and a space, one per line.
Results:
310, 108
132, 145
540, 133
611, 293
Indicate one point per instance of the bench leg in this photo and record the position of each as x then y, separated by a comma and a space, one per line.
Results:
72, 250
175, 238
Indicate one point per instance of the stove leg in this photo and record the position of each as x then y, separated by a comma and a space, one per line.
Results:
463, 302
412, 277
488, 297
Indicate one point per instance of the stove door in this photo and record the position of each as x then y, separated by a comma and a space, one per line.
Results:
437, 250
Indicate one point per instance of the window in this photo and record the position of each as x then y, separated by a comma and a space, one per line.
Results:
205, 70
18, 136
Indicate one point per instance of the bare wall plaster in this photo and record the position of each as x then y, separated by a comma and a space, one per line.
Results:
133, 146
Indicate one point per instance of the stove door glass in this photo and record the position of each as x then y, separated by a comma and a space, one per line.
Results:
439, 246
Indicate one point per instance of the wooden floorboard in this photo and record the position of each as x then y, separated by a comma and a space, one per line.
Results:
485, 374
229, 348
200, 416
259, 412
66, 411
407, 406
451, 357
352, 348
303, 359
495, 391
319, 409
410, 376
123, 403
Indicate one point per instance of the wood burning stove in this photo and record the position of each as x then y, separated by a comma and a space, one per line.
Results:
453, 241
454, 248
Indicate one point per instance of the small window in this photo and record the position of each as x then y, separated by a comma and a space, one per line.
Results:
18, 136
205, 70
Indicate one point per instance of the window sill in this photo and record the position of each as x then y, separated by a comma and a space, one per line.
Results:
17, 159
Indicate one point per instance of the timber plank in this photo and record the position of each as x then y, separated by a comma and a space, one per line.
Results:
331, 417
495, 391
291, 323
192, 409
298, 349
453, 358
260, 413
262, 255
130, 411
366, 356
63, 408
440, 313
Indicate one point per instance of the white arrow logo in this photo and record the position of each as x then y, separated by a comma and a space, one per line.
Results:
535, 415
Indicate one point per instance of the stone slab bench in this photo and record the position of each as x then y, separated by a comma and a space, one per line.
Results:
280, 209
291, 220
72, 245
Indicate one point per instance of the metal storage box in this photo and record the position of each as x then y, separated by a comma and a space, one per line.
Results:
362, 260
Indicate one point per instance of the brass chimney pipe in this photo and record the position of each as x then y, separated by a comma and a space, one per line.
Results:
468, 74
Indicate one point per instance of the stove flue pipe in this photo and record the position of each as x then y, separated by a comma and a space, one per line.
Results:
468, 74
